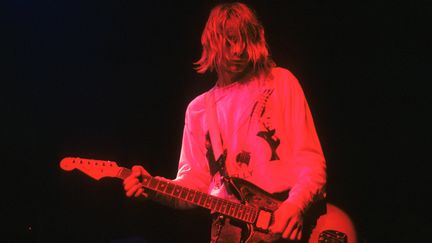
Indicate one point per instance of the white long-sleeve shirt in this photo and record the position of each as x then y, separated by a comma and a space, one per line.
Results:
268, 132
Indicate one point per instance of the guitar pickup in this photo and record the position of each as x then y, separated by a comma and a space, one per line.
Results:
263, 220
332, 236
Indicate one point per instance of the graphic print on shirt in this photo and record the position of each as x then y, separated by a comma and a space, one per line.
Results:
267, 131
242, 161
214, 165
260, 116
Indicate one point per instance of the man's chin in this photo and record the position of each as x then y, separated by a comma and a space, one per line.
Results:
234, 69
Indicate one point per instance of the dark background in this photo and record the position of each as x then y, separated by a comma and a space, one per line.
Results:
111, 80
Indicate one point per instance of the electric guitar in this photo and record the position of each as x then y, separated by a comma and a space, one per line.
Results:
253, 212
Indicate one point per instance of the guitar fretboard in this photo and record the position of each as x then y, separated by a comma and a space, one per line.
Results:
235, 210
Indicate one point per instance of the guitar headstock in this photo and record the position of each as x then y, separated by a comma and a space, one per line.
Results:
96, 169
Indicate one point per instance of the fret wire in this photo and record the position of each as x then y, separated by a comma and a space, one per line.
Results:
246, 215
231, 209
203, 199
146, 180
218, 205
222, 207
162, 186
240, 212
190, 195
254, 213
250, 214
176, 191
250, 217
184, 192
208, 201
197, 197
228, 206
153, 183
170, 188
213, 203
236, 209
227, 209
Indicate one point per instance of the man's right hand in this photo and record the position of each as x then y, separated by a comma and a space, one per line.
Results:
132, 184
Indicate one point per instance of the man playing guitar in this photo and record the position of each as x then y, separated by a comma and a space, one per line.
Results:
253, 127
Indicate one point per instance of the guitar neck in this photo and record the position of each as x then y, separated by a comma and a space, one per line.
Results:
235, 210
98, 169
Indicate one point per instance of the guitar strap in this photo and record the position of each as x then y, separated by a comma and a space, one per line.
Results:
215, 136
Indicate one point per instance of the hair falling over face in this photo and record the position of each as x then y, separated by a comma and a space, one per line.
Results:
233, 40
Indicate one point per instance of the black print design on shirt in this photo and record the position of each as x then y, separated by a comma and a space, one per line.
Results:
243, 169
210, 155
268, 133
243, 158
271, 140
214, 165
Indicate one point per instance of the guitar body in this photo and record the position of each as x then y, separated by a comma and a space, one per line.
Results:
328, 225
232, 230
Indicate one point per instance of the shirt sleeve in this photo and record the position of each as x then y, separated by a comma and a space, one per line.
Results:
307, 157
193, 171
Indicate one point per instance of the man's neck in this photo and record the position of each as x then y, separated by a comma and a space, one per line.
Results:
226, 78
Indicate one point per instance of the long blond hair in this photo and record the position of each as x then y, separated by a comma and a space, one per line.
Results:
249, 30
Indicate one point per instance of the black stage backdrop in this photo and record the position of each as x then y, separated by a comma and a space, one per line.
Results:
111, 80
